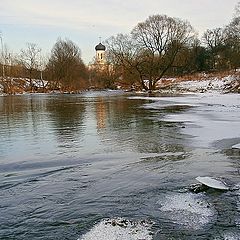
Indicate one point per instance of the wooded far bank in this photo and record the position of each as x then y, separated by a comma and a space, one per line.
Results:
159, 47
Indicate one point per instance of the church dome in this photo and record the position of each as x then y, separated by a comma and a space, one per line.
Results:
100, 47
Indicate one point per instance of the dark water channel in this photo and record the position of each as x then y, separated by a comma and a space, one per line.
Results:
69, 161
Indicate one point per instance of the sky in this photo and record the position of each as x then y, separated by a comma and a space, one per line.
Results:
84, 21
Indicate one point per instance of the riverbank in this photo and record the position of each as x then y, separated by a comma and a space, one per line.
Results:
224, 82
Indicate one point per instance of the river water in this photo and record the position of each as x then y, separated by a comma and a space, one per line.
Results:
68, 162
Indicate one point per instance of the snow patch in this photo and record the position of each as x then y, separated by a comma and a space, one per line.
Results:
207, 85
203, 84
188, 210
119, 229
1, 88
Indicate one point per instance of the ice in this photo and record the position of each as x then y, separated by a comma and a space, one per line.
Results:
119, 229
191, 211
212, 116
236, 146
211, 182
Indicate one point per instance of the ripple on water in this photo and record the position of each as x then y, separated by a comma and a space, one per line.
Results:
188, 210
229, 236
115, 229
238, 206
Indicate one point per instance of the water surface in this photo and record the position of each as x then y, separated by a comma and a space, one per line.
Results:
69, 161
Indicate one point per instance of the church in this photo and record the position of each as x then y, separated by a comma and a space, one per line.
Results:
99, 68
99, 63
100, 54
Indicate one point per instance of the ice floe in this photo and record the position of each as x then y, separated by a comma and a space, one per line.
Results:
213, 183
236, 146
119, 229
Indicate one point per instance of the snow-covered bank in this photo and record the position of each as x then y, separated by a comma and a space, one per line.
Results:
11, 85
202, 83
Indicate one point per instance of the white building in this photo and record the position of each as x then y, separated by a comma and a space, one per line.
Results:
100, 54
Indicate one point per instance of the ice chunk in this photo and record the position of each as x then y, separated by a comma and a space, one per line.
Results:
213, 183
236, 146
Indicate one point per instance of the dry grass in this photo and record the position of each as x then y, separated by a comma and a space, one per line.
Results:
207, 76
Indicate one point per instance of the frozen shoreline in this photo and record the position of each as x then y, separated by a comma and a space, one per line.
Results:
210, 117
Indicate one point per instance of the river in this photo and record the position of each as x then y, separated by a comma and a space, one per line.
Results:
70, 161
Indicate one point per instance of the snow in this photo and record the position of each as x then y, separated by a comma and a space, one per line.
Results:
194, 86
25, 82
189, 210
40, 83
119, 229
202, 83
209, 85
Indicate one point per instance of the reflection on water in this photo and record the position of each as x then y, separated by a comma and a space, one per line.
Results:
69, 161
73, 125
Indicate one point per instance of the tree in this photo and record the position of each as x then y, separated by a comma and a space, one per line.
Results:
29, 59
232, 41
65, 68
237, 10
199, 58
152, 47
215, 42
124, 55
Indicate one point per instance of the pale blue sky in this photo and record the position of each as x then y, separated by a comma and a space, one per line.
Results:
84, 21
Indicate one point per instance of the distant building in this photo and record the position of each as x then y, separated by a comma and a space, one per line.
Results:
99, 63
100, 54
99, 69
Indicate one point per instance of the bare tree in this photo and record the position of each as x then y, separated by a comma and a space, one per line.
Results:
214, 39
124, 53
152, 47
215, 42
29, 59
232, 41
65, 66
237, 10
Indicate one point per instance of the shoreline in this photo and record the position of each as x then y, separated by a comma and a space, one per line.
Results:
225, 82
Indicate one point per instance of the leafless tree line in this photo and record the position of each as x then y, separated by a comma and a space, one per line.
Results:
157, 47
165, 46
63, 70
